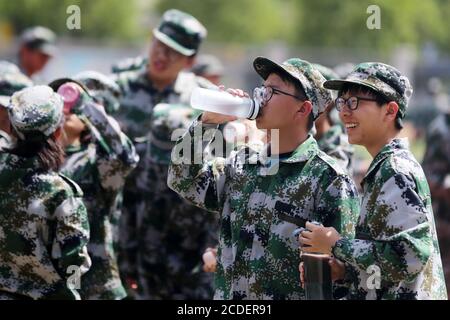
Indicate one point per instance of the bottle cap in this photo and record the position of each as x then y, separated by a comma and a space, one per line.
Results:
71, 94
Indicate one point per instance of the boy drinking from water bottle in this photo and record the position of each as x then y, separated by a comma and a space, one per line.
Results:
259, 207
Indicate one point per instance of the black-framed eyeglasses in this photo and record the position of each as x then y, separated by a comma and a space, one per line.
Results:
269, 91
352, 103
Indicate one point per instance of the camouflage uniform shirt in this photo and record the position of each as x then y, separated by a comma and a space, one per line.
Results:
99, 165
395, 233
44, 232
164, 235
258, 256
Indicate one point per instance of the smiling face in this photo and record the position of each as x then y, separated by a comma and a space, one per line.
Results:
281, 111
165, 63
368, 122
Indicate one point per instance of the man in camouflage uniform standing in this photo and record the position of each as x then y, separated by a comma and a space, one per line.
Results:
37, 48
163, 235
98, 157
395, 253
330, 134
262, 200
11, 80
436, 165
44, 227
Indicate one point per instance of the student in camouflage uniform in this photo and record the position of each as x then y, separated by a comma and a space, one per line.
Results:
37, 48
436, 165
260, 207
396, 233
330, 134
98, 157
162, 238
44, 227
11, 80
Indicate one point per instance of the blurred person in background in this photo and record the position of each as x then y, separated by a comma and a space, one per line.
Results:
209, 67
329, 132
98, 158
164, 236
37, 47
11, 81
436, 164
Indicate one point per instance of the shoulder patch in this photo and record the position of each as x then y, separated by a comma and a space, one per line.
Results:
73, 185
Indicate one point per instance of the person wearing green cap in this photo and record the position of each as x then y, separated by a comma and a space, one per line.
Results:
395, 253
263, 195
163, 248
329, 132
98, 157
11, 81
37, 47
44, 227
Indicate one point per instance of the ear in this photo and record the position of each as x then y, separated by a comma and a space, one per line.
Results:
57, 133
391, 111
305, 109
190, 62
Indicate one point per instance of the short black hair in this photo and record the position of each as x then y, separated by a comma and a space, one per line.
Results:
379, 98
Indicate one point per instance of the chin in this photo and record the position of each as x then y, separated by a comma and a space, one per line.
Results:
353, 140
260, 124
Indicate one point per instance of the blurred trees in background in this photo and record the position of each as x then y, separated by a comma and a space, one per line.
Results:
322, 23
113, 19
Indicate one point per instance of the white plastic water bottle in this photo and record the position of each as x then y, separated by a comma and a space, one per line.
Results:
224, 103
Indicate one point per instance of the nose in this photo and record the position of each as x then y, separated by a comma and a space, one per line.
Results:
345, 112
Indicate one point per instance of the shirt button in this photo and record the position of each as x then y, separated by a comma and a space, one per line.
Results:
259, 180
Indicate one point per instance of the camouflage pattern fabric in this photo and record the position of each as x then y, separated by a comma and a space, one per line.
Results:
382, 78
396, 232
305, 73
334, 143
44, 232
5, 141
163, 265
100, 165
258, 255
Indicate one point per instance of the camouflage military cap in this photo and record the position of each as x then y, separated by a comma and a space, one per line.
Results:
180, 31
327, 73
383, 78
41, 39
343, 69
36, 108
101, 88
11, 81
302, 71
6, 66
208, 65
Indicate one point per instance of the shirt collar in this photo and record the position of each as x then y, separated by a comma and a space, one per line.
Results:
394, 146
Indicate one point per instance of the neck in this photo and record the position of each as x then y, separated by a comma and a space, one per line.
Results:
70, 140
376, 147
287, 141
160, 84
